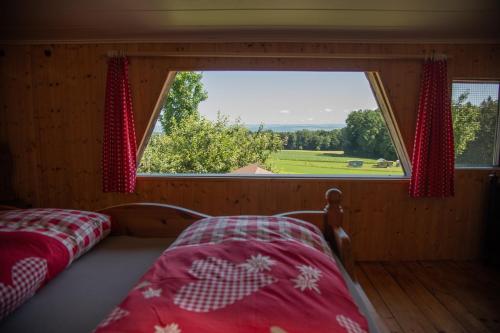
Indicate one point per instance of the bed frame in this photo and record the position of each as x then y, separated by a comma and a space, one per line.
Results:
161, 220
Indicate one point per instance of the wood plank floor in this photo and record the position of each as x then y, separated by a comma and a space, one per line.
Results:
434, 296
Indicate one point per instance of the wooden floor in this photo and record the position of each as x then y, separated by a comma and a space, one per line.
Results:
442, 296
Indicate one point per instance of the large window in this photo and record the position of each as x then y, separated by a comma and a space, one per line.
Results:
475, 113
273, 122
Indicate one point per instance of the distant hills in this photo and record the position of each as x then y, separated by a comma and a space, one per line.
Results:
280, 128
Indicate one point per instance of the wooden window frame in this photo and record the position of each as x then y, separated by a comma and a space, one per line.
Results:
378, 91
156, 113
385, 107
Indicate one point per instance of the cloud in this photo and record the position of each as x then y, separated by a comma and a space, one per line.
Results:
310, 118
285, 111
328, 110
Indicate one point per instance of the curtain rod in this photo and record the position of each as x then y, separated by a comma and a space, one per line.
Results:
346, 56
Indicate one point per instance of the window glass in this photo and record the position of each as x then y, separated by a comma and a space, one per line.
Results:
271, 122
475, 122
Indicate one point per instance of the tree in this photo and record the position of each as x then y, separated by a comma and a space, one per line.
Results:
186, 93
466, 123
366, 135
336, 139
480, 147
313, 139
198, 145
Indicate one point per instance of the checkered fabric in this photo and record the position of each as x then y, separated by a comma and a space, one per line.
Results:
220, 284
27, 275
77, 230
117, 314
350, 325
215, 230
433, 159
119, 141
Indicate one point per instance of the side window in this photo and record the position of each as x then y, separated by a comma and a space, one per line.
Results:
475, 114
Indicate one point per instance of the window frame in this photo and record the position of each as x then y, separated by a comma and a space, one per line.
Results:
379, 94
496, 145
154, 116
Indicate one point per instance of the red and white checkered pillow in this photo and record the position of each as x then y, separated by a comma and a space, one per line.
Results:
219, 229
77, 230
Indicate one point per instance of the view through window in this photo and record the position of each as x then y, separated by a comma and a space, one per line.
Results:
475, 122
271, 122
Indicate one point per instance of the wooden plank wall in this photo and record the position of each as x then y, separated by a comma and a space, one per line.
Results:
52, 99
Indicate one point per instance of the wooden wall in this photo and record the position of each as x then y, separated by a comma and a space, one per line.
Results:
52, 99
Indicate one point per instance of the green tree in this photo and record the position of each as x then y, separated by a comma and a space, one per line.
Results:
336, 139
197, 145
466, 123
313, 140
186, 93
366, 135
479, 149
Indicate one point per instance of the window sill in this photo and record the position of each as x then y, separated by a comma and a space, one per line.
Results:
270, 177
492, 168
214, 176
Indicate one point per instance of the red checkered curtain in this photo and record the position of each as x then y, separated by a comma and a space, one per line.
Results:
433, 152
119, 151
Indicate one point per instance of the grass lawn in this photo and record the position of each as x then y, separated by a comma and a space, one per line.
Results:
326, 162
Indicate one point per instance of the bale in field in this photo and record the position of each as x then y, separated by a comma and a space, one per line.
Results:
355, 164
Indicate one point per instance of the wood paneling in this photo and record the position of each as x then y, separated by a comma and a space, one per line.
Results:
52, 99
17, 121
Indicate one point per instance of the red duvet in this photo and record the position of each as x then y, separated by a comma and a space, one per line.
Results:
241, 274
37, 244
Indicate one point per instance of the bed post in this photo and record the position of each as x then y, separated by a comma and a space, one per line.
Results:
338, 238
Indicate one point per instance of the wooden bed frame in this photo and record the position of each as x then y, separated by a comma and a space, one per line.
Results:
161, 220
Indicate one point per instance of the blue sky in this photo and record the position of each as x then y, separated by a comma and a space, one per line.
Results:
478, 91
275, 97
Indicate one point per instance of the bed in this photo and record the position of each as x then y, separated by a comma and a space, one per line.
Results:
38, 244
90, 289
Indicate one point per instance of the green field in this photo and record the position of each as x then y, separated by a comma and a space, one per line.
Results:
326, 163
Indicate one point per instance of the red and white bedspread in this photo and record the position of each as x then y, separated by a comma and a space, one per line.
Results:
37, 244
241, 274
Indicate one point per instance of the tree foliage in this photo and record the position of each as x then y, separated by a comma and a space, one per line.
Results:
313, 140
466, 123
366, 135
474, 129
198, 145
186, 93
193, 144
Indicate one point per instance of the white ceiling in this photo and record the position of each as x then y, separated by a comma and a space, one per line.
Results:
391, 20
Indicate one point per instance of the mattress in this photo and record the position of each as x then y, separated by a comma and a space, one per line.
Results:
81, 296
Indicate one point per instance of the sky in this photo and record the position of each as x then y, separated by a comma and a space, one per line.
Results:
478, 91
275, 97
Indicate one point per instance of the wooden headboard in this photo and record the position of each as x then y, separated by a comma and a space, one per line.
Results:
150, 219
161, 220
